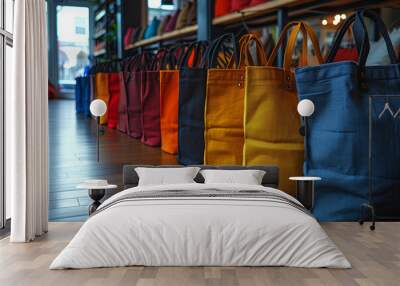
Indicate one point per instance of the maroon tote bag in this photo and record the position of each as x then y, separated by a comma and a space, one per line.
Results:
151, 133
134, 89
123, 121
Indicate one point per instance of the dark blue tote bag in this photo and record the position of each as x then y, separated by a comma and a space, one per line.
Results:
337, 139
85, 95
192, 94
78, 95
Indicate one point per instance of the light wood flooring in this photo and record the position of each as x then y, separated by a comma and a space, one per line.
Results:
375, 257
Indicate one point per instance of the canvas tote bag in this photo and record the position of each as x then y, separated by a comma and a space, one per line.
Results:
150, 100
123, 121
102, 92
115, 93
169, 100
192, 89
78, 95
337, 137
134, 91
271, 121
224, 107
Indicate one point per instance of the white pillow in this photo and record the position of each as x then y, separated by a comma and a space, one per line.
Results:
166, 176
248, 177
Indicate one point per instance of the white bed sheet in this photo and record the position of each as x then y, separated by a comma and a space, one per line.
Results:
200, 232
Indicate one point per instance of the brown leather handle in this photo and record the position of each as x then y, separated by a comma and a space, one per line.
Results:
306, 31
245, 58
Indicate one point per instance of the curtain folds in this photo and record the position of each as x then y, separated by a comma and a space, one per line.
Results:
27, 124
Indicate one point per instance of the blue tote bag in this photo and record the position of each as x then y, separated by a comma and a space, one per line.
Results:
85, 95
337, 137
78, 95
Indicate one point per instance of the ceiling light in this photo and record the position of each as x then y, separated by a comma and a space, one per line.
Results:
324, 22
343, 16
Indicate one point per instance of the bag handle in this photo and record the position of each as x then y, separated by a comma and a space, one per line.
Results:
155, 64
245, 58
206, 56
306, 31
218, 46
169, 60
361, 37
198, 48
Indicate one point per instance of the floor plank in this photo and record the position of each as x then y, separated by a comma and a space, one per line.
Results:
72, 141
374, 255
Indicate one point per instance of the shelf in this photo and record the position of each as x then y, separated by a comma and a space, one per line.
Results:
100, 33
254, 11
296, 8
267, 10
99, 52
164, 37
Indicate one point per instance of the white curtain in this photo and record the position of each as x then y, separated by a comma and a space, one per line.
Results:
27, 124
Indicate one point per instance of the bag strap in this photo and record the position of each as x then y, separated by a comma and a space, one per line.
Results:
220, 45
362, 39
198, 48
306, 31
245, 58
360, 33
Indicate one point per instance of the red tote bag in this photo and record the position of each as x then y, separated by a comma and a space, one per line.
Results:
114, 89
151, 133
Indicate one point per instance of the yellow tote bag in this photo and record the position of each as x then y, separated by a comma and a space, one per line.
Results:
102, 92
223, 120
271, 121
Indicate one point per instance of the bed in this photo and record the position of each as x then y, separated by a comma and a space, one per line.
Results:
199, 224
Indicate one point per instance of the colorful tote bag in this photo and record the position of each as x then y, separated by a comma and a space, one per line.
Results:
192, 83
78, 95
86, 93
115, 93
102, 92
169, 100
150, 97
337, 137
271, 120
123, 119
223, 133
134, 82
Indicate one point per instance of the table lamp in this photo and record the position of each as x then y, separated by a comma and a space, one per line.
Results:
98, 108
305, 108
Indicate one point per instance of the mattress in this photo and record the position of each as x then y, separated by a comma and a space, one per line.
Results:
201, 225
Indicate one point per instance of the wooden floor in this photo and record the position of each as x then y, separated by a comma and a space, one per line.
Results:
72, 140
375, 257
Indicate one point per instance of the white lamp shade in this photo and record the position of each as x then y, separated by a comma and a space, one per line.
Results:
305, 108
98, 107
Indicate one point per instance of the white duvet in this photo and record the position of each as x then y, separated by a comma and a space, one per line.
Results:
200, 231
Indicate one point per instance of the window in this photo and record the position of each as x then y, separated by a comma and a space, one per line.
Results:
73, 43
6, 43
157, 9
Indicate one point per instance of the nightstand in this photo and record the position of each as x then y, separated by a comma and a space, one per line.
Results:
96, 190
305, 190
